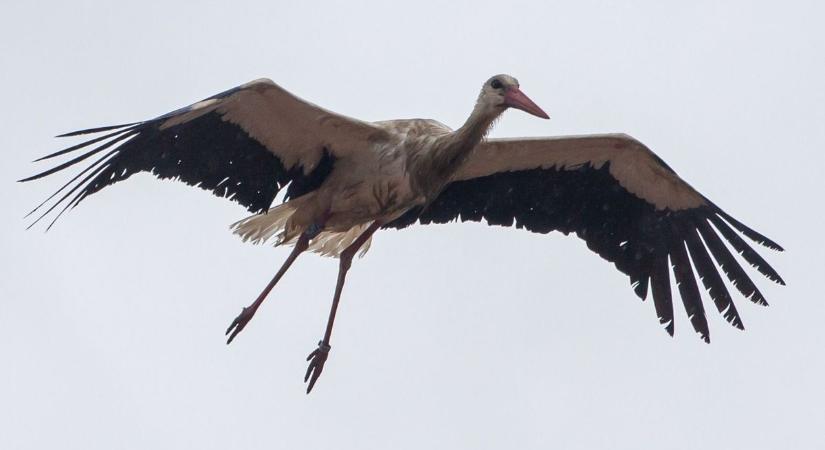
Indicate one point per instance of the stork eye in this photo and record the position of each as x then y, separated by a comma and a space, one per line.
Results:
495, 84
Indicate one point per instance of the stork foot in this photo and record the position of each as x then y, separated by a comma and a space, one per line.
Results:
316, 364
239, 323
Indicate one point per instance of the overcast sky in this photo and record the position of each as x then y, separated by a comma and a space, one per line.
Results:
454, 336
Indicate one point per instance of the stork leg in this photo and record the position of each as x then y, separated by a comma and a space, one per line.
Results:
246, 313
319, 356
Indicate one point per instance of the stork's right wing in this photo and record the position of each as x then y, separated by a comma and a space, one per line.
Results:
245, 144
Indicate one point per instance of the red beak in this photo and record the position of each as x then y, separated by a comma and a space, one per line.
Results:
514, 98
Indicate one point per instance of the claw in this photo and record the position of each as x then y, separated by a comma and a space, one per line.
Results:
316, 364
239, 323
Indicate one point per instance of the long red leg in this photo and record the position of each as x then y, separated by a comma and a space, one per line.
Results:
319, 356
246, 314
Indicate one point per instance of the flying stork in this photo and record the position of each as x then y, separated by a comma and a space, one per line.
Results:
345, 179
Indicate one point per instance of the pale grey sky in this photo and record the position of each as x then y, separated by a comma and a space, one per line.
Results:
455, 336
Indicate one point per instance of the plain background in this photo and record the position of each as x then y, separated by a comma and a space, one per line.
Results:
454, 336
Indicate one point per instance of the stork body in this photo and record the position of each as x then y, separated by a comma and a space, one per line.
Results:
375, 185
345, 179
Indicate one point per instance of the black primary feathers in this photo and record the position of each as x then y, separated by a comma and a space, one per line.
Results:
621, 228
206, 152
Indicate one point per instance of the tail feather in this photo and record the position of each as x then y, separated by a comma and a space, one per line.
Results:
260, 228
332, 243
263, 228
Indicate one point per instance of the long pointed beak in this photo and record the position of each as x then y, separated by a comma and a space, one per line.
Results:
514, 98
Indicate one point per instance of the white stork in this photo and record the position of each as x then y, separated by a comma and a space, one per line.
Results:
345, 179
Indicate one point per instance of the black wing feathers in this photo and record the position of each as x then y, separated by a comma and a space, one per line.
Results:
95, 130
688, 289
639, 239
727, 262
207, 152
121, 135
745, 250
662, 297
712, 280
751, 234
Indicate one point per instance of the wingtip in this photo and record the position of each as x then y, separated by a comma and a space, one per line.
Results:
769, 244
753, 235
758, 298
96, 130
735, 321
31, 212
640, 289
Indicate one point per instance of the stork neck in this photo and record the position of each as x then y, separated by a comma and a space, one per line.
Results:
456, 146
475, 128
449, 152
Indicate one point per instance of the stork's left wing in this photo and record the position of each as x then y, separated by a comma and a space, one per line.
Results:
245, 144
623, 200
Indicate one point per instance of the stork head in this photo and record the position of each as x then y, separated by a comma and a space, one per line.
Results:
501, 92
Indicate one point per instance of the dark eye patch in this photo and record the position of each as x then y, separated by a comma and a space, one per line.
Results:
496, 84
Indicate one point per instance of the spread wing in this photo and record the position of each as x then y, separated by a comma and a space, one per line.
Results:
245, 144
624, 201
